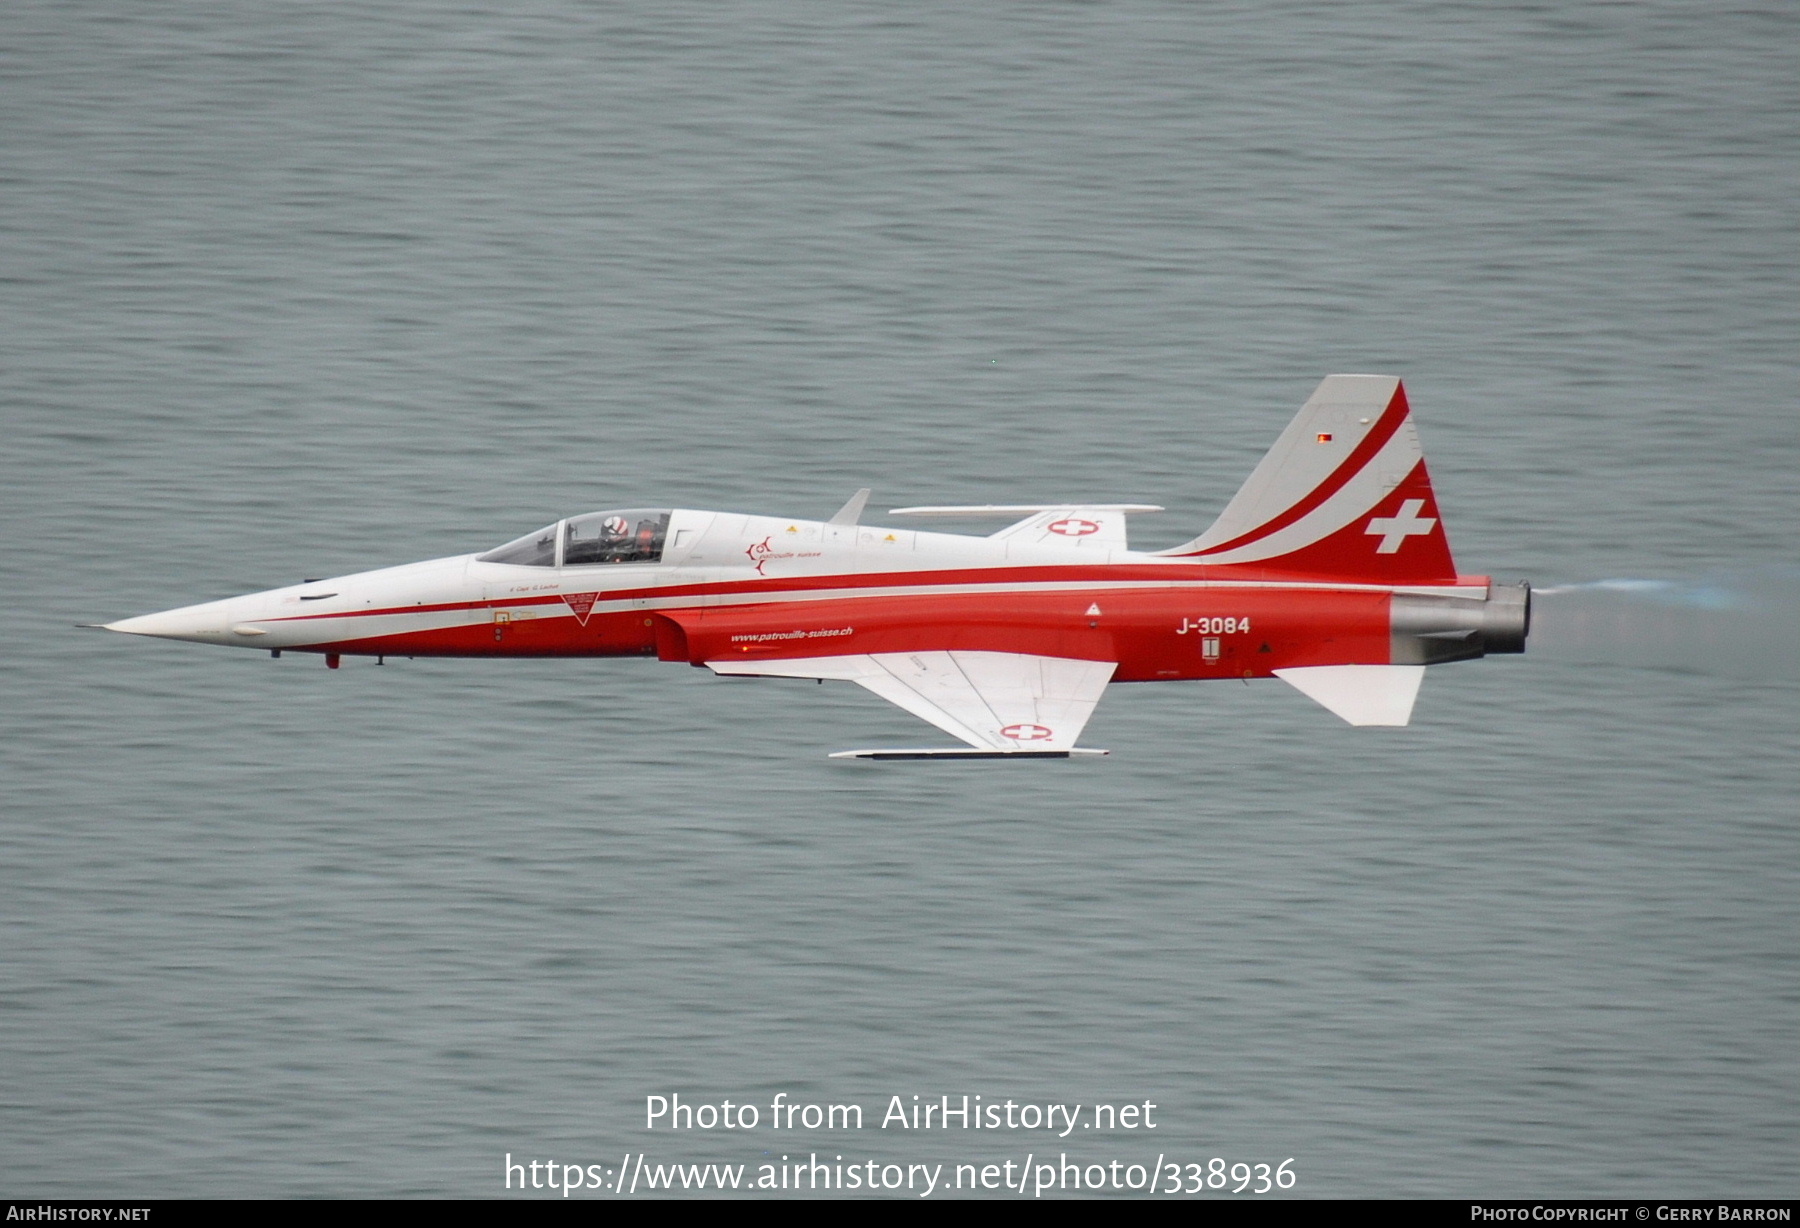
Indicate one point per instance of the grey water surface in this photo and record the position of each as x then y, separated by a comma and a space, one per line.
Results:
298, 289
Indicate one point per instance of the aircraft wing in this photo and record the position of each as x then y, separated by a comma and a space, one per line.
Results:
1000, 703
1094, 525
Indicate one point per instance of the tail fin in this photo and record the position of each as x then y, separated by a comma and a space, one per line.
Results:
1343, 493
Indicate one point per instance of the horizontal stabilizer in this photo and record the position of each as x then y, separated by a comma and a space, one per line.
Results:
1361, 694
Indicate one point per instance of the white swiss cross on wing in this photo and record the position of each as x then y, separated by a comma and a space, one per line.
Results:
1394, 530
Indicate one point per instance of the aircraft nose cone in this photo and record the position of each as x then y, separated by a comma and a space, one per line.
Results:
206, 623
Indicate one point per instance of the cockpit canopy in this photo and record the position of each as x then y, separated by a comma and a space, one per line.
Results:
633, 535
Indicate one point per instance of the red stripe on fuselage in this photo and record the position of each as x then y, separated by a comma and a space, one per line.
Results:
433, 608
1107, 573
1154, 635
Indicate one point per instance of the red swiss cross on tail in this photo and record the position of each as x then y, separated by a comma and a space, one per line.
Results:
1343, 494
1028, 733
1394, 530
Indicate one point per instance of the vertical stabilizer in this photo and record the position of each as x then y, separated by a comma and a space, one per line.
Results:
1344, 493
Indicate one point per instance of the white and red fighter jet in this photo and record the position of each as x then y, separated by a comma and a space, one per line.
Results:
1330, 570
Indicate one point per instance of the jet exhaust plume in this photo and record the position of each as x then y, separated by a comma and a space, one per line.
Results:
1744, 624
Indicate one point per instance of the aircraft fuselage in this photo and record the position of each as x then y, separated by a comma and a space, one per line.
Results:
752, 587
1330, 569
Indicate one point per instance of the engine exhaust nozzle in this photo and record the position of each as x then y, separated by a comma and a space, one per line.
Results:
1430, 630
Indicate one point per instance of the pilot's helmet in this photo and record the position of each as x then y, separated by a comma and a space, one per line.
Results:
615, 526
